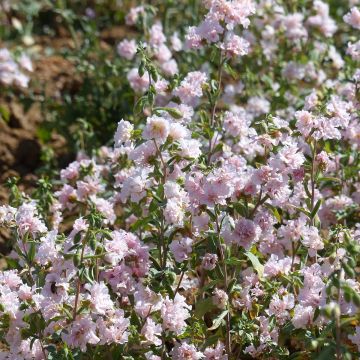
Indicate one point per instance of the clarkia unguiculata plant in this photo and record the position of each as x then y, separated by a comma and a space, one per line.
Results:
223, 223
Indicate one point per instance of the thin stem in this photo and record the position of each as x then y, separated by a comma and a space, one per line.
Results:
259, 203
312, 179
162, 245
222, 258
213, 111
337, 320
78, 285
180, 280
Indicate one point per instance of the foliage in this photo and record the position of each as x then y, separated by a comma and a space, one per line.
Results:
222, 222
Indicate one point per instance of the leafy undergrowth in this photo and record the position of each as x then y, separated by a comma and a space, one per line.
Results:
212, 211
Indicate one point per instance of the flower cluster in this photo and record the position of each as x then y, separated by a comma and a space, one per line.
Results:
224, 221
12, 71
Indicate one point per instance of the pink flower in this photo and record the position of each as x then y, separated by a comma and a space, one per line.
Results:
11, 279
275, 266
305, 122
170, 67
152, 332
235, 45
138, 83
28, 221
82, 331
354, 50
181, 249
210, 29
246, 232
193, 38
189, 148
157, 36
134, 187
66, 196
114, 328
143, 153
25, 292
99, 298
7, 214
209, 261
322, 20
236, 124
127, 49
123, 133
133, 16
117, 248
157, 128
279, 307
162, 53
106, 208
176, 42
220, 298
174, 212
353, 18
303, 316
294, 27
186, 351
191, 87
174, 313
25, 62
48, 250
71, 172
217, 353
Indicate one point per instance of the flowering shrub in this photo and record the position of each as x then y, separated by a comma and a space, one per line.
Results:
223, 223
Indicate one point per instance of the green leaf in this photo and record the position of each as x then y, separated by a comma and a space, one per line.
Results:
218, 320
230, 71
306, 212
277, 215
234, 261
328, 353
329, 178
203, 306
139, 223
255, 263
31, 253
4, 113
175, 113
315, 209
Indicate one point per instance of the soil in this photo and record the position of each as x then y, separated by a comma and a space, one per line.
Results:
20, 149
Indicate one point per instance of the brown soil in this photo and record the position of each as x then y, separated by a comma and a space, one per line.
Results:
20, 149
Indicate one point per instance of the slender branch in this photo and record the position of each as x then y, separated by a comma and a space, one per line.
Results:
222, 258
337, 320
180, 280
312, 179
78, 286
213, 111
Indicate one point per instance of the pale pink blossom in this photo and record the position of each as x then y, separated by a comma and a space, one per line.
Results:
80, 333
127, 49
186, 351
174, 313
152, 332
181, 248
303, 316
157, 128
353, 18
